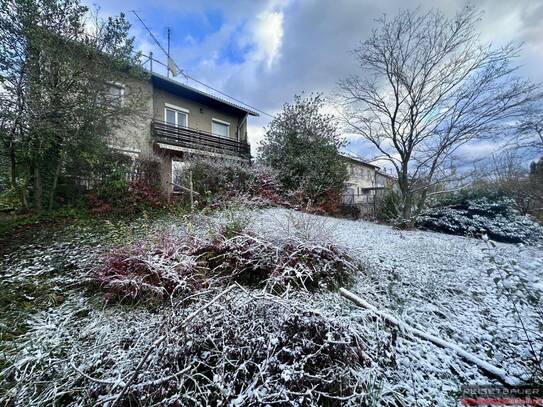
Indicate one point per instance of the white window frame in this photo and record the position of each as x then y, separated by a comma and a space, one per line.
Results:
227, 124
177, 109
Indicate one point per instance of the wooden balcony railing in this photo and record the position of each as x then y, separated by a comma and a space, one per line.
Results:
195, 139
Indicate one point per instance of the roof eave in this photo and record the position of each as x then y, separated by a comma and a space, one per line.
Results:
203, 94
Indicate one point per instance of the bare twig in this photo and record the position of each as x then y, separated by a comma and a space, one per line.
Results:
484, 366
156, 343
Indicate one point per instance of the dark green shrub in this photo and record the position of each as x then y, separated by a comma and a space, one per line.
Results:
302, 144
474, 213
387, 206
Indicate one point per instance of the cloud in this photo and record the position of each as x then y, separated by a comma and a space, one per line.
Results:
268, 35
264, 52
256, 135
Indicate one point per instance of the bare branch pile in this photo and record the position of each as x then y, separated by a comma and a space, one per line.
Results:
242, 350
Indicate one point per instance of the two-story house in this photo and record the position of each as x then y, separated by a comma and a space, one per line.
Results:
366, 183
178, 121
359, 187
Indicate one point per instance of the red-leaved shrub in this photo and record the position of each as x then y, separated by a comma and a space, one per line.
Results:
169, 266
149, 270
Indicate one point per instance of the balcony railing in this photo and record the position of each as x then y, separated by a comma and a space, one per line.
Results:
195, 139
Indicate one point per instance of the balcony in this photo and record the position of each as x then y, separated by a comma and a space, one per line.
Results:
193, 140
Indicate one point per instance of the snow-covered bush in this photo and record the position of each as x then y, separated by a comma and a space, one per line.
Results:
166, 265
243, 350
253, 260
524, 292
261, 352
153, 270
475, 215
218, 181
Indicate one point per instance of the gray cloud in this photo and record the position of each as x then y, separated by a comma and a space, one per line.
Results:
316, 39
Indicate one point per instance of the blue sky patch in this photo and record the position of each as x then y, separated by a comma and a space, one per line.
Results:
233, 50
191, 27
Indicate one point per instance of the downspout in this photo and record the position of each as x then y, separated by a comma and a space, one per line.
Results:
240, 124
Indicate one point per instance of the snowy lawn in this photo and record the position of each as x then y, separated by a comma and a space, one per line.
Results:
437, 283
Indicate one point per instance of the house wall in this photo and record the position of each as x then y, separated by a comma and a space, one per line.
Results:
360, 177
132, 132
386, 181
197, 119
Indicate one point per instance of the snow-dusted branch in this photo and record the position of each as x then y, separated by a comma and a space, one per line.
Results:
162, 338
488, 368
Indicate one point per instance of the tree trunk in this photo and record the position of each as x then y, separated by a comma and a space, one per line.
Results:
23, 193
37, 190
407, 199
55, 182
13, 162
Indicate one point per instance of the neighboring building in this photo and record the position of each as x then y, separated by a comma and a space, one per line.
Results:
365, 184
384, 180
359, 186
178, 121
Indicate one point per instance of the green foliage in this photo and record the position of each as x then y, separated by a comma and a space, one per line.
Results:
127, 188
13, 224
219, 177
302, 145
221, 183
237, 219
387, 206
57, 111
9, 199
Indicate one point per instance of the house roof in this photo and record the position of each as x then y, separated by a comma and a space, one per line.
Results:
358, 160
384, 174
181, 89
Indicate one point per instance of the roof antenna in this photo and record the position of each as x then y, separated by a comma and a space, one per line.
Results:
171, 65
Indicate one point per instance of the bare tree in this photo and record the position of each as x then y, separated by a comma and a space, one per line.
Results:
429, 87
530, 130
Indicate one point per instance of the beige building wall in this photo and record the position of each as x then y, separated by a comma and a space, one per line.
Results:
199, 117
360, 177
133, 133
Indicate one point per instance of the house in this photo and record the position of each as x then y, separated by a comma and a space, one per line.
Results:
176, 122
366, 183
359, 186
384, 180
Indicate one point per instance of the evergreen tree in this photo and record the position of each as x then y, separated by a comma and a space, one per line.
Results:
57, 62
302, 144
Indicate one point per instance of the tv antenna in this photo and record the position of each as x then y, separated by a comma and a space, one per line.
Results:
171, 65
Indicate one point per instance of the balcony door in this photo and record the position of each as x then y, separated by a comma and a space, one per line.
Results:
176, 116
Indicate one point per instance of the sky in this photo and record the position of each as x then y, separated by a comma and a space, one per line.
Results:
266, 51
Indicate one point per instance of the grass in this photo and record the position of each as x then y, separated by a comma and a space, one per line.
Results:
39, 261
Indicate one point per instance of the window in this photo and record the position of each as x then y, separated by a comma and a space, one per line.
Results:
176, 116
115, 93
220, 128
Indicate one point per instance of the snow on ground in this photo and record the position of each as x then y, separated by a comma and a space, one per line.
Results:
437, 283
